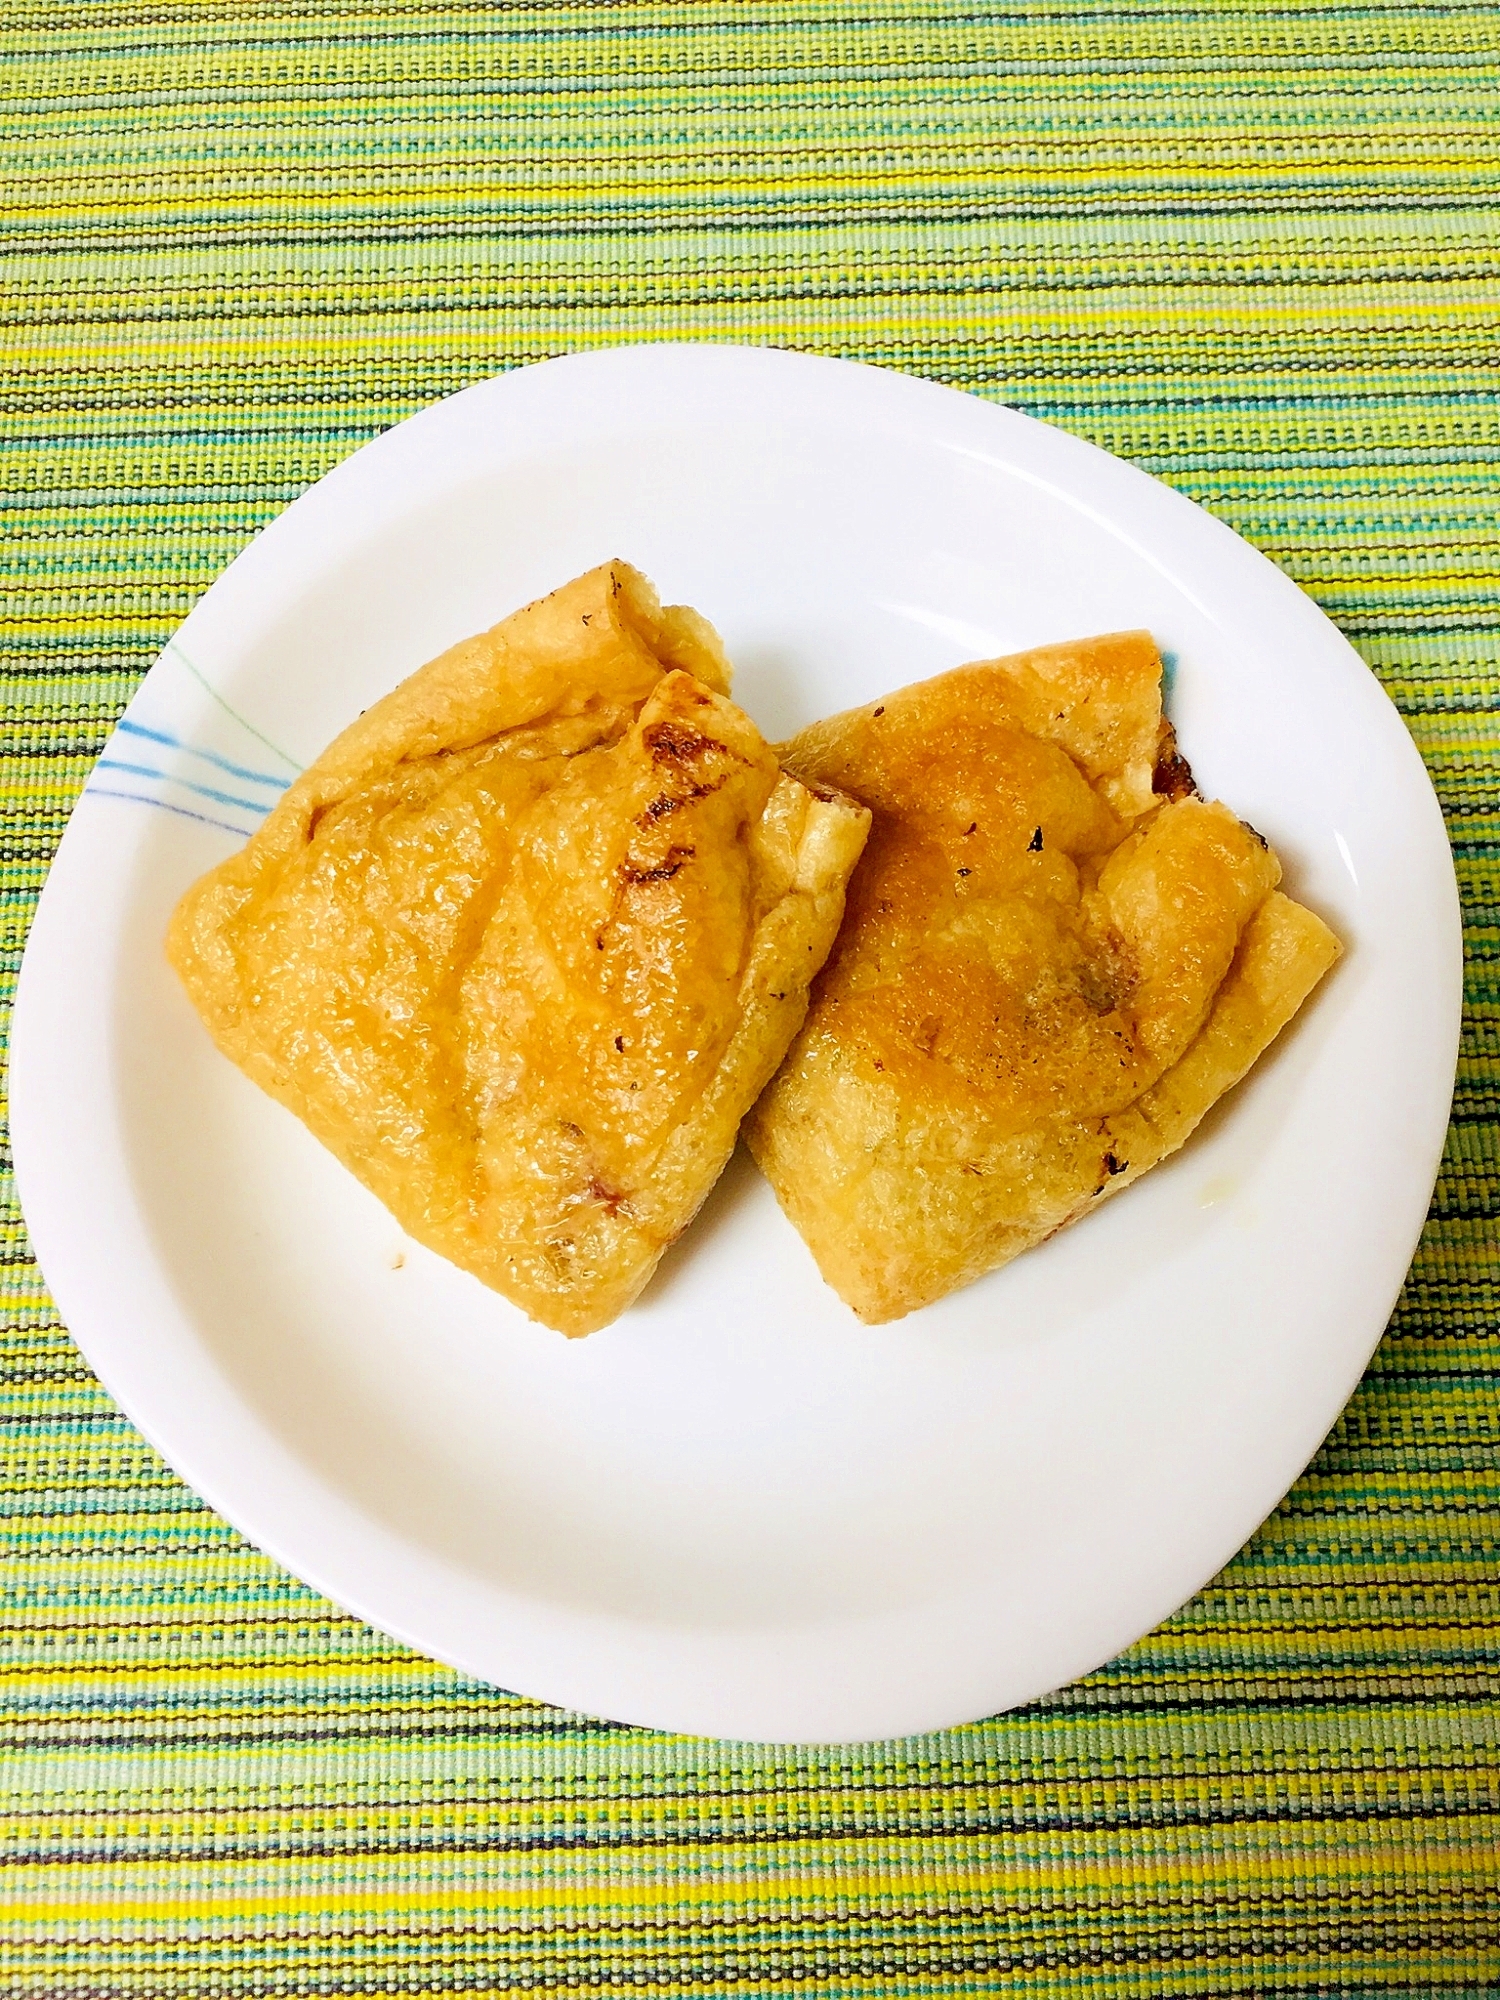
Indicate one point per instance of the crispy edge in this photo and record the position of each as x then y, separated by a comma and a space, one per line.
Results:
1283, 954
1099, 699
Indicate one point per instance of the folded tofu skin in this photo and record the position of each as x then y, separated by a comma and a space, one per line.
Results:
1056, 958
525, 943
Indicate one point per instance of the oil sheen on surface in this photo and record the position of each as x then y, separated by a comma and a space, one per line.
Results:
525, 943
1056, 958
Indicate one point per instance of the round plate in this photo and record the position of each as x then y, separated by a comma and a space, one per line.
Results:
737, 1511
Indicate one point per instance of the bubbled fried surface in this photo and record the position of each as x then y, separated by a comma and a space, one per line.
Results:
527, 940
1050, 968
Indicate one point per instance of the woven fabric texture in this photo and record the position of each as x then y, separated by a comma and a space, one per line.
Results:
1252, 248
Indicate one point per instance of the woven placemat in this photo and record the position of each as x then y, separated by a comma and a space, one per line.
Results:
1251, 248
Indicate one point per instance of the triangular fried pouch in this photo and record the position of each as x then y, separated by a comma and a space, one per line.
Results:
1056, 958
526, 941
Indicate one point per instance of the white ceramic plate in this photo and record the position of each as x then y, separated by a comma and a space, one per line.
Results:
737, 1511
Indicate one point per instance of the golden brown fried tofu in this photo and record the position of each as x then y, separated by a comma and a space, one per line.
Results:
1056, 957
527, 940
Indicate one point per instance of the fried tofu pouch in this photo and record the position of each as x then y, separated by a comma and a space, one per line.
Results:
527, 940
1056, 958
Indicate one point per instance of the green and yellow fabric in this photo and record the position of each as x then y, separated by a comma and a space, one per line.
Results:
1252, 247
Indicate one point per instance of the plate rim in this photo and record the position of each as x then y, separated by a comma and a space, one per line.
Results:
933, 408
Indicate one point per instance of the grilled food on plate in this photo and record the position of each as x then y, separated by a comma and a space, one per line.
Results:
1056, 958
527, 940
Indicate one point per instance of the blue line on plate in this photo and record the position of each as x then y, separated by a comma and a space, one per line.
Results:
141, 799
208, 756
257, 806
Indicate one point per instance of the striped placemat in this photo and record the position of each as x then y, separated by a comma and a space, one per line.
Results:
1252, 248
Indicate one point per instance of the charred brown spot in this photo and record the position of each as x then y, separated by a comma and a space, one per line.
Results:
1172, 779
1112, 1166
609, 1199
972, 827
672, 743
1034, 845
632, 873
657, 810
1100, 986
620, 1043
1256, 835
